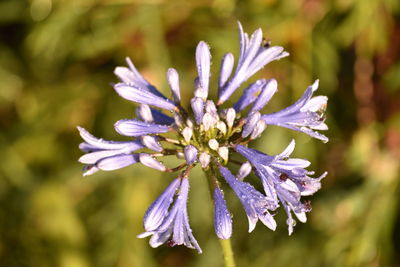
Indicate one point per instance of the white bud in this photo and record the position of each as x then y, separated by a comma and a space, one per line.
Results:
151, 142
187, 134
223, 152
143, 112
178, 120
189, 123
151, 162
213, 144
211, 108
259, 129
244, 170
230, 117
204, 159
221, 126
207, 121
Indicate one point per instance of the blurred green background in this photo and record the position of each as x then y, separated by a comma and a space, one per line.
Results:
56, 66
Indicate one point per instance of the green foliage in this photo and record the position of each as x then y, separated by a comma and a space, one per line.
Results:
56, 63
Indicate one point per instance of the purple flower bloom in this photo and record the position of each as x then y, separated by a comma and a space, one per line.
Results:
175, 222
208, 135
253, 56
255, 204
284, 179
305, 115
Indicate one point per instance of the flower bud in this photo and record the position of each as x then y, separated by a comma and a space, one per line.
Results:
204, 159
151, 162
213, 144
190, 154
151, 142
187, 134
230, 117
244, 170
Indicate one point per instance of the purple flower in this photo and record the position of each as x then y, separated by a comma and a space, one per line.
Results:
255, 204
253, 56
175, 222
305, 115
209, 135
284, 179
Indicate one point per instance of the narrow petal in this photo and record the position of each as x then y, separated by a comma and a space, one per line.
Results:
226, 69
141, 96
198, 108
249, 95
149, 161
116, 162
222, 216
173, 81
268, 90
156, 213
139, 128
104, 144
203, 62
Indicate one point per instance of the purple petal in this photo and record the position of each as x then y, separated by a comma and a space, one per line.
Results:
222, 216
225, 70
142, 96
198, 108
249, 95
156, 213
100, 144
116, 162
203, 62
139, 128
267, 92
173, 81
133, 77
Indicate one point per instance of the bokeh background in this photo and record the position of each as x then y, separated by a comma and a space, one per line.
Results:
56, 66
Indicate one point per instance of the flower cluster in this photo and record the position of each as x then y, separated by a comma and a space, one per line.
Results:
209, 136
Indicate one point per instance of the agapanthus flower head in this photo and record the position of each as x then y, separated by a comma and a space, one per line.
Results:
213, 136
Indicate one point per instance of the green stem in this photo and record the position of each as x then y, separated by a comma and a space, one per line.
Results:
226, 245
228, 252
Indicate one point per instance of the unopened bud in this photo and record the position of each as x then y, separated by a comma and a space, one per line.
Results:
143, 112
178, 120
230, 117
151, 142
223, 152
213, 144
221, 126
151, 162
251, 123
204, 159
187, 134
211, 108
198, 108
259, 129
208, 121
244, 170
190, 154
